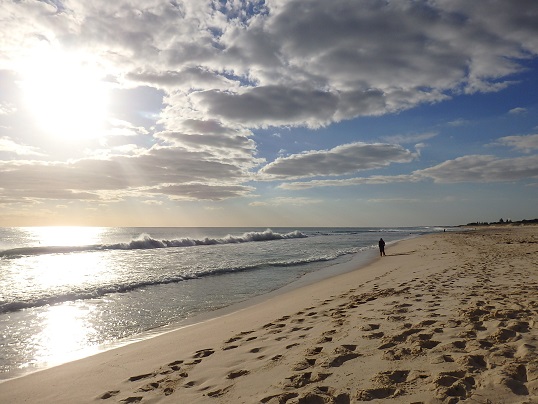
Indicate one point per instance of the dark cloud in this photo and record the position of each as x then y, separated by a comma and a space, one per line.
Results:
271, 106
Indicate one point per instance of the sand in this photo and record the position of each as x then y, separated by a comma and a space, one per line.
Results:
443, 318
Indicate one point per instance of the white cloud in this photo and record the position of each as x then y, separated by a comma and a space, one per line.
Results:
286, 201
8, 145
473, 168
458, 122
153, 202
340, 160
166, 170
410, 138
7, 108
524, 143
482, 168
518, 111
348, 182
274, 64
225, 68
201, 191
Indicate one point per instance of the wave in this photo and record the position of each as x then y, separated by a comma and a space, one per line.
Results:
94, 292
145, 241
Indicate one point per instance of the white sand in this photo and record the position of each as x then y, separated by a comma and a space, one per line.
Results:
444, 318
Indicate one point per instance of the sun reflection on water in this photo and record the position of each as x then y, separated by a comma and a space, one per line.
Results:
65, 235
64, 335
63, 329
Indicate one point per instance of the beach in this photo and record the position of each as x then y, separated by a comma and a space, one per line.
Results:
443, 318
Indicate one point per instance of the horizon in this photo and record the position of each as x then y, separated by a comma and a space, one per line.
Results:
296, 113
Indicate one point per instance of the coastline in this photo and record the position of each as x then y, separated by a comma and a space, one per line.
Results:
359, 260
426, 322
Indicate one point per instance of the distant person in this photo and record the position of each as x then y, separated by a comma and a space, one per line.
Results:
381, 247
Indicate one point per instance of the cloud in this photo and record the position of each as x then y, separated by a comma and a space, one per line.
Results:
161, 168
340, 160
286, 201
220, 146
482, 168
198, 191
221, 143
225, 68
411, 138
526, 143
8, 145
188, 78
270, 106
305, 62
458, 122
518, 111
7, 108
153, 202
348, 182
473, 168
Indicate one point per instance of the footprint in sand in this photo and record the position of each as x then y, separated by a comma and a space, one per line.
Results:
515, 377
305, 364
140, 377
454, 384
219, 392
377, 393
344, 353
303, 379
237, 373
374, 335
391, 377
203, 353
130, 400
109, 394
314, 351
473, 363
149, 387
370, 327
279, 398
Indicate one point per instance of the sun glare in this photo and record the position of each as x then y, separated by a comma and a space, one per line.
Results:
65, 94
65, 235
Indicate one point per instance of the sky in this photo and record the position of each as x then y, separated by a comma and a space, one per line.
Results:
268, 113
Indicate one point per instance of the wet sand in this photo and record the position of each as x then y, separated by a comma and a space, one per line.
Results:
444, 318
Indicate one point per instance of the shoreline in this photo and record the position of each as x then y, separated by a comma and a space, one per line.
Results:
443, 317
101, 317
358, 261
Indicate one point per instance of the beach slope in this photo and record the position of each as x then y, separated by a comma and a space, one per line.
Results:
444, 318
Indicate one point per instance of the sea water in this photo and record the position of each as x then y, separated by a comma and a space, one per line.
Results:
66, 292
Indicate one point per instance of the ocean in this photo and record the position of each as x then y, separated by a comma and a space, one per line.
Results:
69, 292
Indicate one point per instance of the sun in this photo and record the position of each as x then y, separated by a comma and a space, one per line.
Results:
66, 94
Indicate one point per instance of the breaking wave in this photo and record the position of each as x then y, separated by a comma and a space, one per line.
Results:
145, 241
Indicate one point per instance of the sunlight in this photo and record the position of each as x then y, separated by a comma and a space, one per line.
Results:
65, 93
64, 335
65, 235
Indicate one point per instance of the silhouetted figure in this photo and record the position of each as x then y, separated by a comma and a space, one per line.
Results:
381, 247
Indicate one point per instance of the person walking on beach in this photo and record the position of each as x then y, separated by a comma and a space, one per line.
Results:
381, 247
